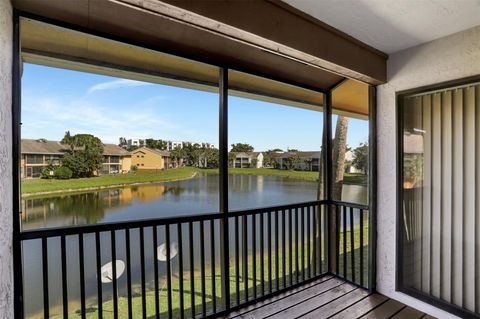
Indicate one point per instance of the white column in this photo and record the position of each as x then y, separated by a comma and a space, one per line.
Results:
6, 258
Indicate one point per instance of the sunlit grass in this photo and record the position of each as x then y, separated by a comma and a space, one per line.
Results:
349, 178
285, 275
29, 186
32, 186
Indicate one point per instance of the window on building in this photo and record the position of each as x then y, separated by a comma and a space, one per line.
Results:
34, 159
34, 171
114, 159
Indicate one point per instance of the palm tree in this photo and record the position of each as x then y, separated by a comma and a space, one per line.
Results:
338, 154
69, 140
231, 158
308, 163
177, 155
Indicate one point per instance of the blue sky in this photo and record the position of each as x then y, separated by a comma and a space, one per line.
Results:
57, 100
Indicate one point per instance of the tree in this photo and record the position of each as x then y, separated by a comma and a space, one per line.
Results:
360, 158
156, 144
69, 140
268, 159
85, 155
162, 145
292, 161
338, 153
292, 150
253, 163
151, 143
122, 142
232, 156
338, 167
210, 157
308, 163
241, 147
177, 155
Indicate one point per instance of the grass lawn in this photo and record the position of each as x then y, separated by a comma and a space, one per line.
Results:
141, 176
349, 178
150, 294
31, 186
355, 179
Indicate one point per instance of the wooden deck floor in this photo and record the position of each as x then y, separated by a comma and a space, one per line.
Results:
329, 297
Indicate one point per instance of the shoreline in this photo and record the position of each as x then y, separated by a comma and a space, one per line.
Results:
94, 188
195, 173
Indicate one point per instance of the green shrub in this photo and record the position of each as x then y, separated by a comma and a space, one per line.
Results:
63, 172
48, 173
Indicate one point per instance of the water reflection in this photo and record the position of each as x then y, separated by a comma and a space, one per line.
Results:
193, 196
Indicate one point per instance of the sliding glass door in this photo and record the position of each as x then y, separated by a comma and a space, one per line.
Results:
440, 189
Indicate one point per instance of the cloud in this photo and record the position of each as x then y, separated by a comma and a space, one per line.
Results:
50, 118
115, 84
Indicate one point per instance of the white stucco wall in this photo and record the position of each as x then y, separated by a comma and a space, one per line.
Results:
6, 267
452, 57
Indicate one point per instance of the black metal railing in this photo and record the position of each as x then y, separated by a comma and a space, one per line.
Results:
275, 248
174, 267
349, 229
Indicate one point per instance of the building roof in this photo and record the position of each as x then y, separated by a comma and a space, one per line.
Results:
158, 152
248, 154
42, 146
112, 149
306, 154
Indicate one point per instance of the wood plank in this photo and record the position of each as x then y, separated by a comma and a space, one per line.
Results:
408, 313
336, 305
312, 285
385, 310
428, 317
323, 289
362, 307
306, 306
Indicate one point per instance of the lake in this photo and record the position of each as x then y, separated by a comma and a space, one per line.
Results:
192, 196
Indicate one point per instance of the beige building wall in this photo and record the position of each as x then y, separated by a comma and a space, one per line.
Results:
453, 57
126, 163
145, 158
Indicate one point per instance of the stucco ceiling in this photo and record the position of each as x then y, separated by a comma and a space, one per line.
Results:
394, 25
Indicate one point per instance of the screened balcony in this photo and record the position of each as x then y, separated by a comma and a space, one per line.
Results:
312, 258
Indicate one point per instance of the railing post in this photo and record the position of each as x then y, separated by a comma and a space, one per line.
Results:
331, 222
372, 188
16, 115
223, 182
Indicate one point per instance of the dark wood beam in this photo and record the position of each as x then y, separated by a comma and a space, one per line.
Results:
265, 38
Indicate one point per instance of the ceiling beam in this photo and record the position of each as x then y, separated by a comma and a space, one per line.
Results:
262, 37
282, 29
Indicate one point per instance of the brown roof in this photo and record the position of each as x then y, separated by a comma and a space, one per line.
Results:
159, 152
112, 149
42, 146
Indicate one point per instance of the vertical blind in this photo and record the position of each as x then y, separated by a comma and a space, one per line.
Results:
441, 195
